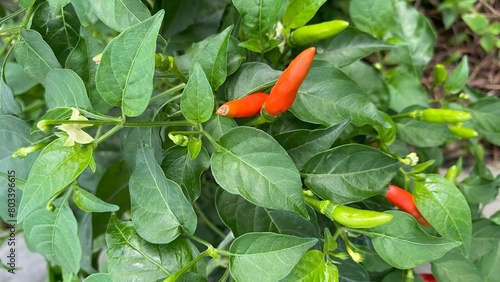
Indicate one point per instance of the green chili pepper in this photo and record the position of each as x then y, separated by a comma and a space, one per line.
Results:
461, 131
356, 218
453, 172
440, 115
309, 34
439, 74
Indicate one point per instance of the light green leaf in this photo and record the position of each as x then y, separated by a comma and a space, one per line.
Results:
348, 47
35, 55
98, 277
445, 207
264, 256
457, 79
486, 118
454, 267
8, 105
57, 5
424, 134
179, 167
405, 90
85, 12
145, 261
65, 89
251, 77
313, 267
26, 3
365, 18
250, 163
244, 217
213, 58
485, 237
120, 14
55, 168
55, 236
477, 22
124, 77
17, 79
328, 96
160, 212
349, 173
302, 144
299, 12
217, 126
197, 101
90, 203
402, 243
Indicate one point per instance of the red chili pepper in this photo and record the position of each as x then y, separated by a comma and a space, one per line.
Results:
404, 201
285, 90
428, 277
245, 107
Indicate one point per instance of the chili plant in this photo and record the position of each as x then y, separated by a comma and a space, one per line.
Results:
241, 140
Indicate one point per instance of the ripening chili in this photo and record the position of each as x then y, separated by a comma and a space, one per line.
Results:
404, 201
247, 106
440, 115
309, 34
357, 218
285, 90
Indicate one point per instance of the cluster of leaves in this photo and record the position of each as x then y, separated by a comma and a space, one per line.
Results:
158, 208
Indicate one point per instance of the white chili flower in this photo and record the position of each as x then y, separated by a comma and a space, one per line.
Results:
75, 132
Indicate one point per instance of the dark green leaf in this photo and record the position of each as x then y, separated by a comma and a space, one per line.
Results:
54, 235
349, 173
35, 55
244, 217
197, 101
454, 267
264, 256
348, 47
485, 237
446, 209
477, 189
8, 105
406, 90
328, 96
404, 245
135, 138
251, 77
486, 118
179, 167
217, 126
457, 79
374, 17
424, 134
125, 75
213, 58
299, 12
90, 203
250, 163
55, 168
313, 267
120, 14
160, 212
302, 144
65, 89
145, 261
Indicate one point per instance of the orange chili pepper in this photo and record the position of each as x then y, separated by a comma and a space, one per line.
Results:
245, 107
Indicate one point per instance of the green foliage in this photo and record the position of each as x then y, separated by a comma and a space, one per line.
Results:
167, 190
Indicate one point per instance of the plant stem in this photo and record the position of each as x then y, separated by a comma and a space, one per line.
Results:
169, 91
108, 134
186, 267
207, 221
225, 275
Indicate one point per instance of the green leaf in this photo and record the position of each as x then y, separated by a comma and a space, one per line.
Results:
348, 47
404, 245
250, 163
328, 96
349, 173
263, 256
454, 267
477, 22
54, 235
124, 77
65, 89
136, 138
251, 77
26, 3
299, 12
406, 90
486, 118
302, 144
55, 168
35, 55
160, 212
244, 217
98, 277
457, 79
489, 41
445, 207
373, 17
488, 264
57, 5
120, 14
17, 79
217, 126
477, 189
197, 101
213, 58
8, 105
258, 21
179, 167
89, 202
313, 267
145, 261
485, 237
59, 28
423, 134
85, 12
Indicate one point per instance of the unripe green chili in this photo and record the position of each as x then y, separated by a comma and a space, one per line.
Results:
440, 115
439, 74
309, 34
356, 218
461, 131
245, 107
285, 90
